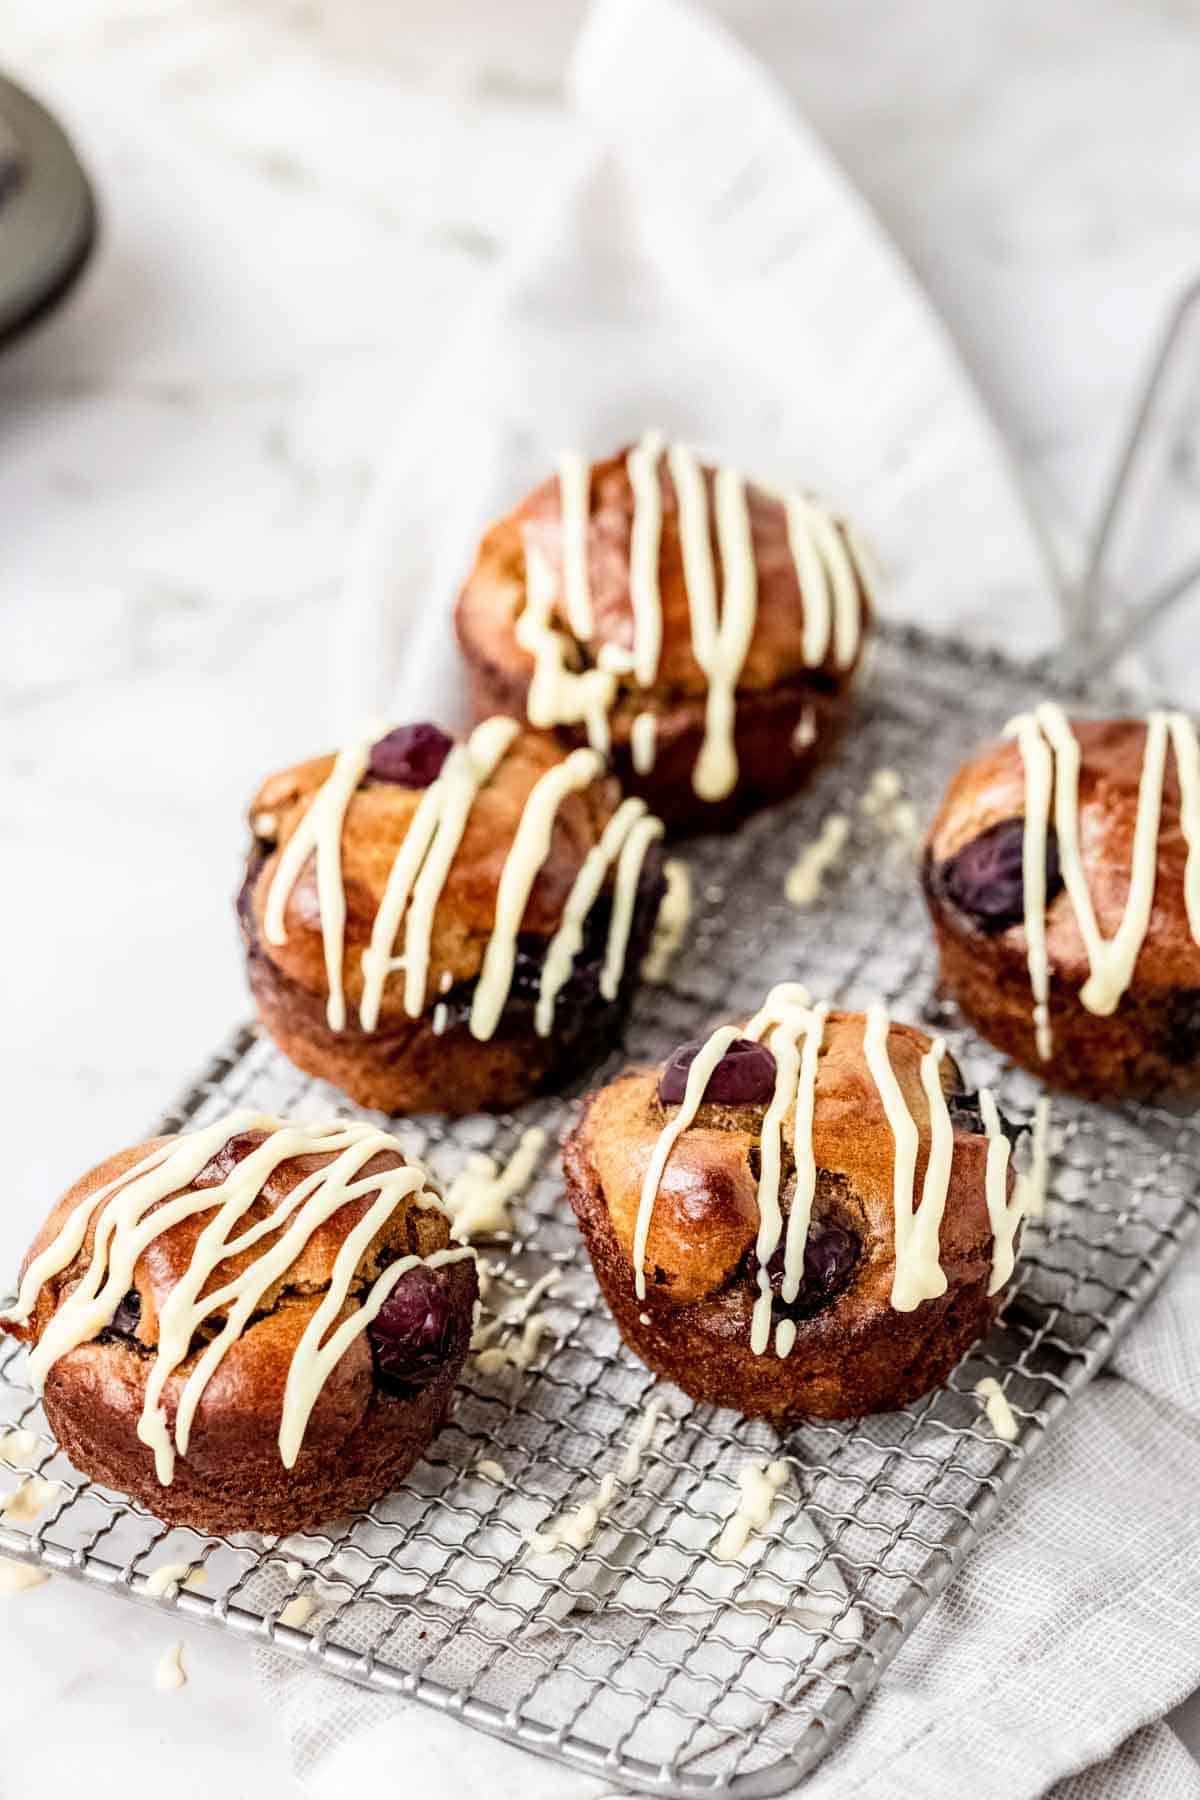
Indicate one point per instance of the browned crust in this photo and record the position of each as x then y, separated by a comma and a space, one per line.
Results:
775, 687
856, 1356
360, 1439
407, 1067
1136, 1049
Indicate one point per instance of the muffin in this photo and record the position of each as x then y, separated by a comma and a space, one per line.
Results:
446, 927
803, 1215
255, 1326
702, 630
1062, 875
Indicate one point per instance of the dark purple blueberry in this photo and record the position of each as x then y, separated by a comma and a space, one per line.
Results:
411, 756
744, 1076
830, 1256
987, 880
1180, 1034
125, 1320
413, 1332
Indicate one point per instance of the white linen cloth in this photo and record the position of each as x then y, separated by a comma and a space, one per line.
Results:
699, 264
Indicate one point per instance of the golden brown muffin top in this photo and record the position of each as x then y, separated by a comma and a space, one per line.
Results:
495, 591
705, 1217
251, 1379
991, 788
376, 822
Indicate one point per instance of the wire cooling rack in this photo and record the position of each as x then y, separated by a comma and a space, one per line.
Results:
642, 1657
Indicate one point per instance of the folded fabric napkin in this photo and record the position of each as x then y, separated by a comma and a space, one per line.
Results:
699, 264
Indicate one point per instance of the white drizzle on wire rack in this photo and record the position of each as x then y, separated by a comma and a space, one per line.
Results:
830, 566
793, 1029
419, 870
1050, 754
149, 1199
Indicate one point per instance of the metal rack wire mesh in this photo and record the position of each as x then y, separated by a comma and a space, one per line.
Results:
641, 1656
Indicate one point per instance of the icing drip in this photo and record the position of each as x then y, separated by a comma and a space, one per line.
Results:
625, 890
170, 1673
33, 1496
793, 1030
574, 492
808, 872
698, 1079
643, 742
1004, 1215
320, 830
528, 851
494, 1359
995, 1403
1051, 757
574, 1530
138, 1207
670, 927
644, 539
759, 1484
559, 695
168, 1578
418, 873
804, 732
919, 1274
420, 868
18, 1446
489, 1470
18, 1577
830, 566
624, 827
478, 1198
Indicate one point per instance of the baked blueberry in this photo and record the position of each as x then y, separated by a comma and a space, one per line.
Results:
986, 878
745, 1075
411, 755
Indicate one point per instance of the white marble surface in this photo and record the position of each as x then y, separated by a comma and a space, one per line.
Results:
298, 197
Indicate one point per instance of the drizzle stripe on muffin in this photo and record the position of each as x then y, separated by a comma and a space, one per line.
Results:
1051, 757
157, 1194
793, 1029
831, 570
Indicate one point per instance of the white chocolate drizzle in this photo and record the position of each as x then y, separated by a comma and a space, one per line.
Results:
759, 1484
831, 570
169, 1577
138, 1207
643, 742
31, 1497
919, 1274
488, 1469
527, 852
1051, 757
20, 1445
422, 864
575, 1529
418, 873
807, 874
793, 1029
19, 1577
170, 1673
320, 830
479, 1197
1000, 1414
670, 927
495, 1359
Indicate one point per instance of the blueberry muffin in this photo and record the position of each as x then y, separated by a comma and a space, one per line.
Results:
1062, 875
703, 630
441, 926
802, 1215
251, 1327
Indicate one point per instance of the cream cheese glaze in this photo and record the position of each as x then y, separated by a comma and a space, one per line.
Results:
419, 870
792, 1028
831, 570
139, 1206
1051, 757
